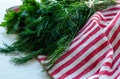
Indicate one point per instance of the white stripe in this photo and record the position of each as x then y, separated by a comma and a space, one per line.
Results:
94, 76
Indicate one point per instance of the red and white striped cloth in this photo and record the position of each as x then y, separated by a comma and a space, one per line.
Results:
95, 51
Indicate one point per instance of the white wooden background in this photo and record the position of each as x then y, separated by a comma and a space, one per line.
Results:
30, 70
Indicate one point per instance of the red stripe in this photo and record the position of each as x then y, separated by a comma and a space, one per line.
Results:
84, 61
107, 64
96, 78
92, 65
109, 19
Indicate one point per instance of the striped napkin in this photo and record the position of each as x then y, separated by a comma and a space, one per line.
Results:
95, 52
